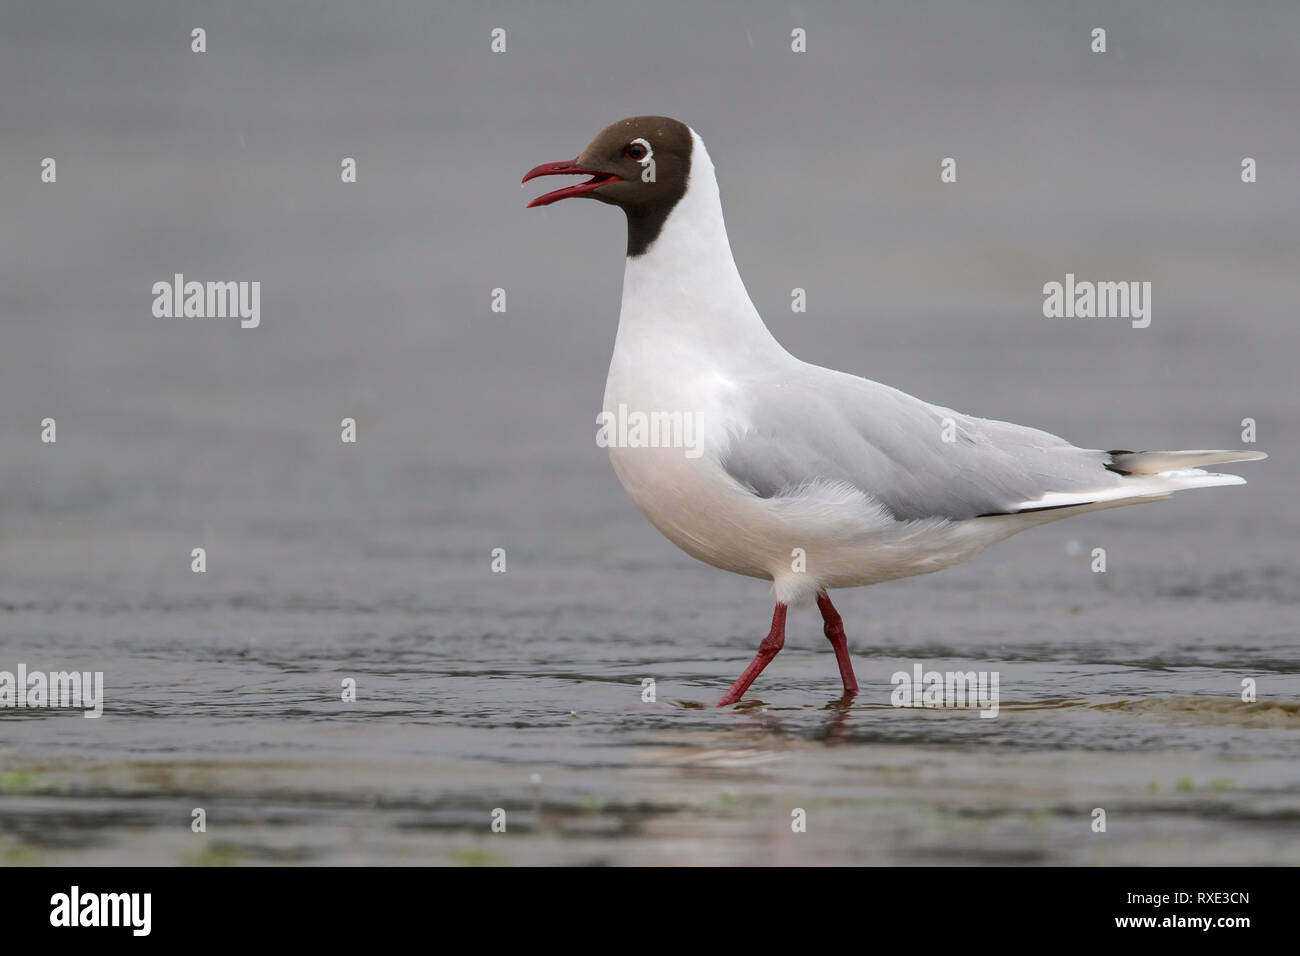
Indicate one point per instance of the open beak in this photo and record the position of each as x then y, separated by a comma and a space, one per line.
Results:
569, 168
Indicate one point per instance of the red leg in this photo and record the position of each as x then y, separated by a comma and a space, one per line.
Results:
772, 644
833, 626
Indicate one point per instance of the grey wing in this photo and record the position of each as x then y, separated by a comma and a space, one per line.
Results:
916, 459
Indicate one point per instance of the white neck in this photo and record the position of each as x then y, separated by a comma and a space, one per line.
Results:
685, 287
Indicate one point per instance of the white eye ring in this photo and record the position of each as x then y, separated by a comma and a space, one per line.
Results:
649, 150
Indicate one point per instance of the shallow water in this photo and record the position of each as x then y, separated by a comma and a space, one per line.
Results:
1120, 693
523, 691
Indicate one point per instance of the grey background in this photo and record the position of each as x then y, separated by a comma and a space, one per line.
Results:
476, 430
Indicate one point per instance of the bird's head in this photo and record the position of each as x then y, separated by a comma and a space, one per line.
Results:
641, 164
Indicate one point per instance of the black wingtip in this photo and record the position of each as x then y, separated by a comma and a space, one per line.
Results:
1111, 466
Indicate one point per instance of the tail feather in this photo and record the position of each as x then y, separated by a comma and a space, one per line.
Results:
1159, 462
1146, 476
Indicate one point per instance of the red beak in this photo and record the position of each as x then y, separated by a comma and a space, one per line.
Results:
570, 168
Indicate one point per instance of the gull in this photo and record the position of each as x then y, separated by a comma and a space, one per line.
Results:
777, 469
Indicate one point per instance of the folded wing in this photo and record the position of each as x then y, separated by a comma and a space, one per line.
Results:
923, 461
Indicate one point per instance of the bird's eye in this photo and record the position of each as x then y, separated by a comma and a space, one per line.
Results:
635, 151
